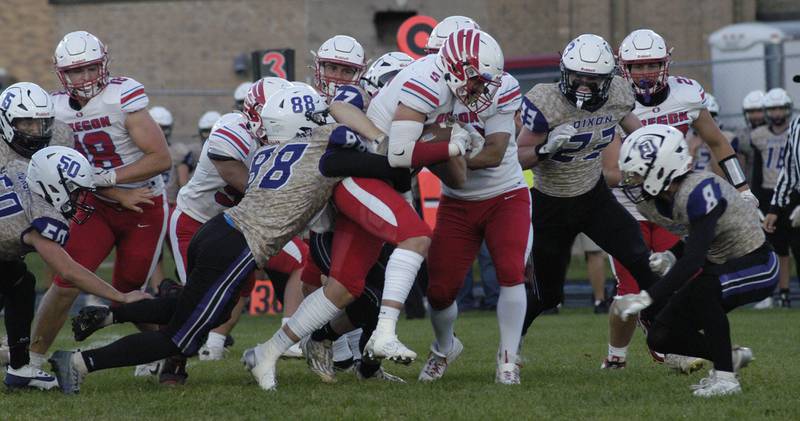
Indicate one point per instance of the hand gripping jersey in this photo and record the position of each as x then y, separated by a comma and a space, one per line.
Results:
420, 86
22, 211
180, 154
576, 167
285, 191
738, 230
682, 107
499, 117
207, 194
99, 127
771, 148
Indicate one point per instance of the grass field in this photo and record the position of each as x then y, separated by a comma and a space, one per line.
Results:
561, 380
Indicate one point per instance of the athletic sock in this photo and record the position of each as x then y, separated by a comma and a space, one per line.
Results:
341, 350
511, 305
37, 359
325, 332
620, 353
401, 271
313, 313
443, 322
131, 350
387, 319
215, 340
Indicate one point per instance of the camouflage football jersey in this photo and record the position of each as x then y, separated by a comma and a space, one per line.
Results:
285, 191
738, 230
21, 211
576, 167
771, 147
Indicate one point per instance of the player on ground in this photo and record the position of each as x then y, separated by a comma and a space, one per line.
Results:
679, 102
493, 205
770, 143
566, 126
722, 262
119, 138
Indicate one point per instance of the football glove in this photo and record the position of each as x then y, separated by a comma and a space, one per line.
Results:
556, 138
661, 263
476, 141
631, 304
460, 138
104, 177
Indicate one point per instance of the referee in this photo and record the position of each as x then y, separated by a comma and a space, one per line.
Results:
787, 190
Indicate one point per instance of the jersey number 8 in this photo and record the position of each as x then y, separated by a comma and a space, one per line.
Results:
278, 175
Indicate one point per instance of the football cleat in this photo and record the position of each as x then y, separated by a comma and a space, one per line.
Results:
319, 356
264, 373
293, 352
151, 369
716, 385
388, 346
741, 356
507, 373
705, 381
68, 376
89, 320
379, 375
438, 362
173, 371
612, 362
28, 376
211, 353
249, 359
683, 363
764, 304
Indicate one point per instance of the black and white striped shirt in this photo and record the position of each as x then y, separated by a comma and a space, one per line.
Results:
789, 178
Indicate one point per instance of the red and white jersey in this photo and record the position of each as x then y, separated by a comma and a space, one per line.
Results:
499, 117
420, 86
207, 194
685, 101
99, 127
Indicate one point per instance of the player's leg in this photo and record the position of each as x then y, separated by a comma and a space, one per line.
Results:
89, 244
181, 230
141, 236
596, 272
456, 241
509, 238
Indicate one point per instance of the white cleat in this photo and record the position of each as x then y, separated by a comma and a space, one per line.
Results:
29, 376
507, 373
209, 353
384, 345
151, 369
764, 304
683, 364
319, 357
438, 362
741, 356
705, 381
294, 352
249, 358
716, 385
264, 374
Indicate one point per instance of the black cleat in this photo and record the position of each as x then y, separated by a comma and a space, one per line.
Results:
174, 371
89, 320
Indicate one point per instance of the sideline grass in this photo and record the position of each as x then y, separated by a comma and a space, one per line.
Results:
560, 381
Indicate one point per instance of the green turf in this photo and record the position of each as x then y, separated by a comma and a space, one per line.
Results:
560, 381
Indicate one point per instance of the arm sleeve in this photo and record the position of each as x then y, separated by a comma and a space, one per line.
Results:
701, 234
342, 162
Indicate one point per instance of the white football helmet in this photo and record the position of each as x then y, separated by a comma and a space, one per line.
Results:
239, 94
644, 46
206, 122
587, 68
341, 50
257, 95
650, 158
753, 109
26, 118
446, 27
777, 106
469, 56
711, 105
80, 49
63, 177
289, 113
163, 118
383, 70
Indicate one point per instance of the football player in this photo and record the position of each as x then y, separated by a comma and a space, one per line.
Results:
702, 159
239, 94
339, 61
770, 143
127, 149
679, 102
754, 117
205, 123
566, 126
722, 262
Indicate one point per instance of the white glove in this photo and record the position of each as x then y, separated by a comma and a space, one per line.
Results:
557, 137
104, 178
661, 263
476, 143
795, 217
749, 197
630, 304
460, 138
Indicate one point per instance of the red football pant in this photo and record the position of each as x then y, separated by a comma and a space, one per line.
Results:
137, 237
657, 239
370, 213
183, 227
503, 221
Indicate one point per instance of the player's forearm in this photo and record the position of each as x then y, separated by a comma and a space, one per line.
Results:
149, 166
69, 269
492, 154
528, 157
352, 117
452, 173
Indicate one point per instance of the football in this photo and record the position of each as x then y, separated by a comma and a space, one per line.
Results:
436, 132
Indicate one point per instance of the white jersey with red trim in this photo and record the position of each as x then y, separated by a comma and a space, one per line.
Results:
685, 101
420, 86
207, 194
499, 117
99, 127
